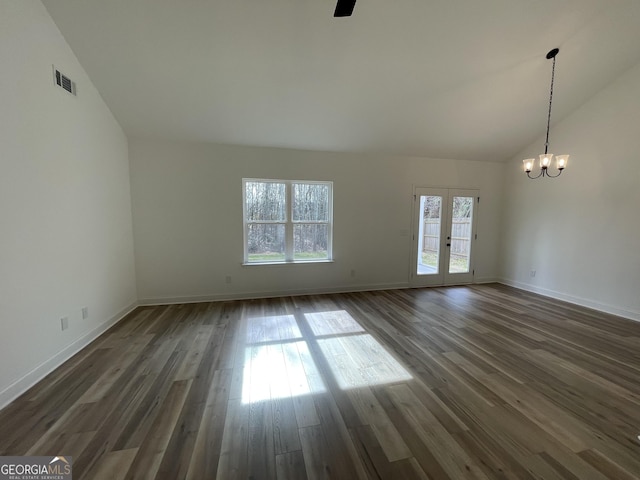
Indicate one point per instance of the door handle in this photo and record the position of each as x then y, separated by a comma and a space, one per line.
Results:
448, 244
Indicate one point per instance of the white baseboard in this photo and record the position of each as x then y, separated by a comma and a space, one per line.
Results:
218, 297
269, 294
583, 302
28, 380
486, 280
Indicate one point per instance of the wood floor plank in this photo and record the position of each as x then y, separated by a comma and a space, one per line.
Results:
539, 410
422, 455
301, 387
149, 406
491, 456
316, 454
374, 460
285, 426
479, 381
235, 443
261, 449
606, 466
453, 459
195, 352
177, 456
344, 461
208, 443
563, 460
449, 420
115, 465
371, 413
119, 411
149, 456
290, 466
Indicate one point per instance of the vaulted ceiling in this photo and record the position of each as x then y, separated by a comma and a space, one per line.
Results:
464, 79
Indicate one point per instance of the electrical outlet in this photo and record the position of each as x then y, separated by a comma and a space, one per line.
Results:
85, 313
227, 279
533, 273
64, 323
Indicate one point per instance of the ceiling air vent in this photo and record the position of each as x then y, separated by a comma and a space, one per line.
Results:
64, 82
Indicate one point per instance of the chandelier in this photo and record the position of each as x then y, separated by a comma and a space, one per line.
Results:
547, 158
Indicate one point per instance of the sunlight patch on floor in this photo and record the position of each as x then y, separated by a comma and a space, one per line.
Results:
279, 370
278, 362
272, 328
360, 361
337, 322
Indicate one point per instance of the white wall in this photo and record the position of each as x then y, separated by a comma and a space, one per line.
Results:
581, 231
65, 214
187, 209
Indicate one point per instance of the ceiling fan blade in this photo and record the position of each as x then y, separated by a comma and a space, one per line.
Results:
344, 8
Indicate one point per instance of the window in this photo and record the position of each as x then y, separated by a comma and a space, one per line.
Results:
287, 221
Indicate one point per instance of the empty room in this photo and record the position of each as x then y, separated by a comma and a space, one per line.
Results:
290, 239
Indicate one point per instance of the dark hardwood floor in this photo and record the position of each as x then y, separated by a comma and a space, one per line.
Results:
482, 381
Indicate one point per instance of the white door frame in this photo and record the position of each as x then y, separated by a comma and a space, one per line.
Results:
442, 277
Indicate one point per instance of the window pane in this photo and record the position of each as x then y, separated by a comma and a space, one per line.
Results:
265, 242
266, 201
461, 234
310, 242
310, 202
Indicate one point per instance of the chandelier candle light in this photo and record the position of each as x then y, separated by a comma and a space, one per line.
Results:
546, 158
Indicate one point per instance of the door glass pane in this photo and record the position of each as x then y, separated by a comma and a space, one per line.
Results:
461, 222
429, 235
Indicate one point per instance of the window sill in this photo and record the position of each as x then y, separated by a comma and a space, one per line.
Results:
292, 262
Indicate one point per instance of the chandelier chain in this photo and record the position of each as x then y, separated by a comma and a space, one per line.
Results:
553, 72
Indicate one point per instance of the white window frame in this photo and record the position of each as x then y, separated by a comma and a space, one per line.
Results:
288, 222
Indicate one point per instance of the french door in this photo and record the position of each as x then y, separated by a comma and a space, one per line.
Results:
443, 235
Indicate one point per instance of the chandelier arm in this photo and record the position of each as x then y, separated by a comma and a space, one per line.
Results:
554, 176
537, 176
553, 71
